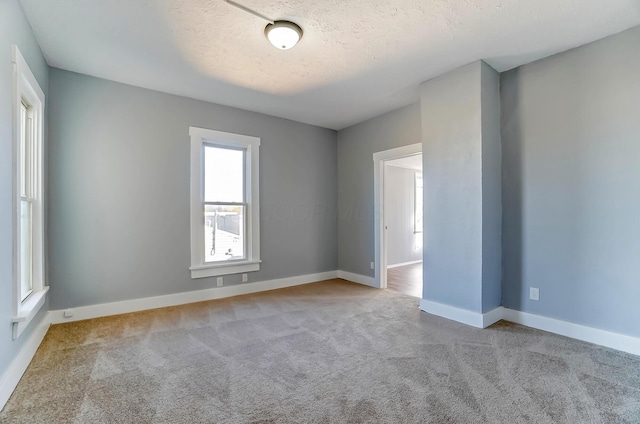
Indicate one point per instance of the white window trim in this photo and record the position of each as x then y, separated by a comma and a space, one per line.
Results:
200, 136
26, 87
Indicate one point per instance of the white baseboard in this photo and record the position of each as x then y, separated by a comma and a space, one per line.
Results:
474, 319
13, 374
357, 278
135, 305
404, 264
492, 316
605, 338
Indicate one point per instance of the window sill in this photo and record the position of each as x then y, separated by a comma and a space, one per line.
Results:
27, 311
202, 271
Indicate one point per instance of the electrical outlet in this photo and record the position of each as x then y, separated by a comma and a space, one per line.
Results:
219, 281
68, 313
245, 278
534, 293
373, 265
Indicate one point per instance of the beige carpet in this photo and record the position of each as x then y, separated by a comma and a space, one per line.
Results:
330, 352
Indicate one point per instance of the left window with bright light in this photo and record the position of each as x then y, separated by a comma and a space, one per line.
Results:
28, 158
225, 234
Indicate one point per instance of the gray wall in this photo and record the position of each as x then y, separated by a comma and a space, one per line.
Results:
119, 180
452, 172
399, 198
571, 188
462, 183
14, 29
356, 146
491, 190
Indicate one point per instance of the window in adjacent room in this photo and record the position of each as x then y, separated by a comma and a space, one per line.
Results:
417, 216
225, 234
28, 243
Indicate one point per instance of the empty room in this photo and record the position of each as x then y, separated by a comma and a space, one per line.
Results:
220, 211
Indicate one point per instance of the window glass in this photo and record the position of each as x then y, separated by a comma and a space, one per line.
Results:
26, 262
24, 150
224, 232
223, 175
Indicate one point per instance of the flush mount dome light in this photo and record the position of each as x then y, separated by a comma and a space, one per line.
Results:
283, 34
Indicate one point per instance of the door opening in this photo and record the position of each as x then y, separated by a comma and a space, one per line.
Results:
398, 235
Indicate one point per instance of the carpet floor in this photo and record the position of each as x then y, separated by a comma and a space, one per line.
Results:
329, 352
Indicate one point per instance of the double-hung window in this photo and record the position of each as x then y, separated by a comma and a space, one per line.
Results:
28, 220
225, 233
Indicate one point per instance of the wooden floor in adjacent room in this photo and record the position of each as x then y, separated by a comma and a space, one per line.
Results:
406, 279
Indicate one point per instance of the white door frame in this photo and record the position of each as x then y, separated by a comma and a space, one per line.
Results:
380, 242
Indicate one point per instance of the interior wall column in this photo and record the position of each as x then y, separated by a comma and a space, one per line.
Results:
462, 193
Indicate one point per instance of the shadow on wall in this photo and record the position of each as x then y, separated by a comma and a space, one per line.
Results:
512, 188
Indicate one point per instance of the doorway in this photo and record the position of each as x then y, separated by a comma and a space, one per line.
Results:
398, 208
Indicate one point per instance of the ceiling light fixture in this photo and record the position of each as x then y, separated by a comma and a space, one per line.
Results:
282, 34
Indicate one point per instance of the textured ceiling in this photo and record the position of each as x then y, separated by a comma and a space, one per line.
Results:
357, 58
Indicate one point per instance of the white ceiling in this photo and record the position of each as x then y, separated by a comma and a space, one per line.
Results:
357, 58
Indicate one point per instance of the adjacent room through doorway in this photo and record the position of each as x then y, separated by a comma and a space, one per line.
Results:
403, 224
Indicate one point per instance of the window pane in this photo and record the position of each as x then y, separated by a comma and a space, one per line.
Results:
223, 175
24, 151
224, 232
25, 249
